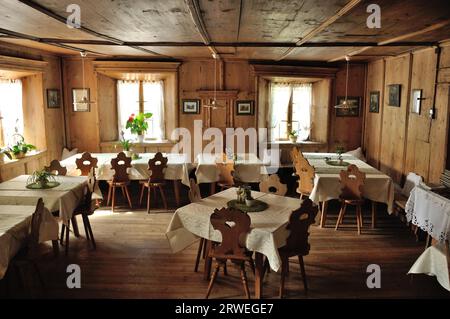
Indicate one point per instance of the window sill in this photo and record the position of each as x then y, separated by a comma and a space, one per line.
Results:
4, 161
298, 143
145, 143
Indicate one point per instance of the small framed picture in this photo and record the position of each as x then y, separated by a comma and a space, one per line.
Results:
416, 101
53, 99
394, 94
191, 106
353, 109
81, 100
244, 108
374, 106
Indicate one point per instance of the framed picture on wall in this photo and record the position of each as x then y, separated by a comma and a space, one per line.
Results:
80, 100
416, 101
374, 106
244, 108
191, 106
394, 94
53, 99
354, 101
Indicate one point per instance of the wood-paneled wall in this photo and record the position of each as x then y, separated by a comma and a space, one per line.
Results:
397, 140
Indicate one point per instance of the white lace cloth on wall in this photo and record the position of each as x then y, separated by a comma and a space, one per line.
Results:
430, 212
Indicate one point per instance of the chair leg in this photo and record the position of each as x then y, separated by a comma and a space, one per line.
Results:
213, 278
109, 195
199, 252
89, 229
283, 275
225, 270
67, 237
374, 214
149, 195
142, 195
128, 196
323, 218
302, 269
123, 192
63, 229
76, 232
341, 215
163, 196
244, 280
113, 197
358, 218
55, 248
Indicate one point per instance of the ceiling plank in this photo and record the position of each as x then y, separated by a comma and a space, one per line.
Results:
194, 10
350, 5
62, 19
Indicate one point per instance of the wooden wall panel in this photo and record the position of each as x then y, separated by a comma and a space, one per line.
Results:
347, 131
394, 118
107, 103
373, 121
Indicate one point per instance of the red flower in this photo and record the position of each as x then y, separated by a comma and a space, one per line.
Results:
130, 119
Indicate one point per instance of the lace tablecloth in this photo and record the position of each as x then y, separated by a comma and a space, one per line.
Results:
178, 167
430, 212
14, 227
267, 232
378, 186
63, 198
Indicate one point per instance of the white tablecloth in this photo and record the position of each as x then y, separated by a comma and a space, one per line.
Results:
378, 186
14, 226
430, 212
178, 167
248, 168
434, 262
63, 198
267, 232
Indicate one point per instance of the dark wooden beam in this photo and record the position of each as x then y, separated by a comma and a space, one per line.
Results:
196, 14
62, 19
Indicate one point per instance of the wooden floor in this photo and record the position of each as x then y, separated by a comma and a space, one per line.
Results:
133, 260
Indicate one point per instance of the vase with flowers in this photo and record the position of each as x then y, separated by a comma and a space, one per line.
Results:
138, 124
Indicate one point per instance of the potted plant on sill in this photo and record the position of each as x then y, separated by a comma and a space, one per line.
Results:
138, 124
293, 136
18, 150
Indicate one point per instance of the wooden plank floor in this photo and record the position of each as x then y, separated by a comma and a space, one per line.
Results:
133, 260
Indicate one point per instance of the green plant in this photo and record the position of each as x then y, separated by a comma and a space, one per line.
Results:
41, 177
340, 150
293, 133
126, 144
137, 123
18, 149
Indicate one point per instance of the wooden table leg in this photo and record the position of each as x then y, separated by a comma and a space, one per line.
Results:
323, 218
55, 247
259, 274
176, 187
76, 232
208, 261
213, 188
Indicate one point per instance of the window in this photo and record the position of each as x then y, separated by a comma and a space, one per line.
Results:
290, 110
141, 96
11, 110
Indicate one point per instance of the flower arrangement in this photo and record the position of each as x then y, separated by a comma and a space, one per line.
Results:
42, 178
18, 150
137, 123
339, 150
293, 136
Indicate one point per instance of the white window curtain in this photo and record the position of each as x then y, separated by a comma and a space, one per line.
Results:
127, 104
154, 103
301, 109
11, 110
280, 95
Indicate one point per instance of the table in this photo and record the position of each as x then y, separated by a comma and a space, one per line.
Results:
378, 186
248, 168
63, 198
178, 168
267, 232
14, 226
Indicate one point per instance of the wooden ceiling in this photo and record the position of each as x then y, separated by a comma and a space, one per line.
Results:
309, 30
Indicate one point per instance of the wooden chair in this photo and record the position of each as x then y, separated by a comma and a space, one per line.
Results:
295, 154
230, 248
56, 168
352, 182
28, 255
297, 242
226, 174
401, 197
156, 166
196, 196
273, 185
120, 165
306, 173
85, 163
85, 209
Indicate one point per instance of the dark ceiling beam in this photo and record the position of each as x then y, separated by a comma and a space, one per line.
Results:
62, 19
196, 15
349, 6
241, 44
21, 36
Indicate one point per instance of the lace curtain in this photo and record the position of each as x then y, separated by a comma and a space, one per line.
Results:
154, 103
127, 104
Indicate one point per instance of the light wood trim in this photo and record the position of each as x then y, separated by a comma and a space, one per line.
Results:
342, 57
416, 33
132, 66
294, 71
19, 64
350, 5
